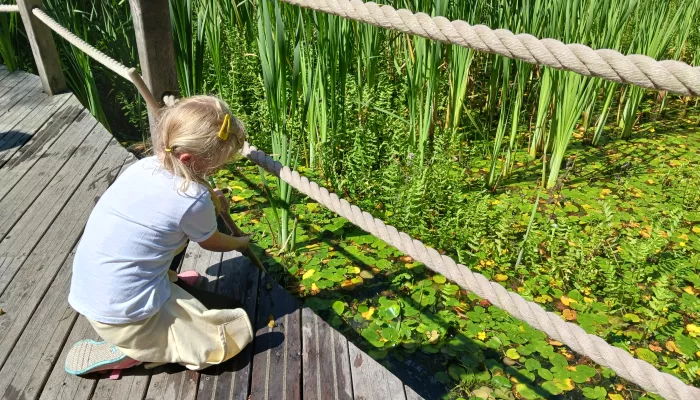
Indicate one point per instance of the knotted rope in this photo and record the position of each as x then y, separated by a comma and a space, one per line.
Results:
120, 69
623, 363
673, 76
9, 8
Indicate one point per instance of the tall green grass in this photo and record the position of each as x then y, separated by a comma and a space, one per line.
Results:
349, 99
8, 30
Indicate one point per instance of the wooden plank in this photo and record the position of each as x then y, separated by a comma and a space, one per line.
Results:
51, 182
277, 360
23, 86
171, 382
411, 394
176, 382
61, 385
155, 45
12, 140
238, 278
18, 200
370, 380
39, 127
39, 268
14, 82
34, 354
132, 385
43, 47
4, 72
325, 360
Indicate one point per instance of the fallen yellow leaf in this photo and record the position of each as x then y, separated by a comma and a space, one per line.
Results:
605, 192
689, 290
236, 187
237, 198
693, 330
501, 277
368, 314
650, 181
655, 348
308, 274
271, 321
314, 288
696, 229
433, 336
567, 300
615, 396
671, 346
570, 315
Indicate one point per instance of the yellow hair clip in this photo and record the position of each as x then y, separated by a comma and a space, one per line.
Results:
168, 150
223, 132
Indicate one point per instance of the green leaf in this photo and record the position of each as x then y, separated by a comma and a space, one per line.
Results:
631, 318
501, 380
545, 374
647, 355
457, 372
686, 345
390, 333
512, 354
582, 373
595, 392
531, 364
526, 391
551, 388
439, 279
338, 307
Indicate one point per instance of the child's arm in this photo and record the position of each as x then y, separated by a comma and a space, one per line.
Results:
222, 243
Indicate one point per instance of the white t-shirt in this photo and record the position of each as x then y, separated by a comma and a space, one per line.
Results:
121, 265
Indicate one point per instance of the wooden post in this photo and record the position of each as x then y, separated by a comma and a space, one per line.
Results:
43, 47
154, 40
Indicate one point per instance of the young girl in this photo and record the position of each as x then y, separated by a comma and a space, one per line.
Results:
123, 282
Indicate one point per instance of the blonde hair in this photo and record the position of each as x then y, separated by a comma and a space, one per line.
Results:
192, 125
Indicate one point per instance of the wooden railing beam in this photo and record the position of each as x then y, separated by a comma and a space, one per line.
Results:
43, 47
155, 45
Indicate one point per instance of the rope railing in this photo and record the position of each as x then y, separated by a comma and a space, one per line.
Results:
623, 363
670, 75
8, 8
115, 66
597, 349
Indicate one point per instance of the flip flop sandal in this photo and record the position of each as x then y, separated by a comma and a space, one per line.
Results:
191, 278
88, 356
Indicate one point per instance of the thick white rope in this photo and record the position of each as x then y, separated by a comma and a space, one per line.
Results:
9, 8
120, 69
640, 70
99, 56
623, 363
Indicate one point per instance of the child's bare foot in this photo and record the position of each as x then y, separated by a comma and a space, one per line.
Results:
88, 356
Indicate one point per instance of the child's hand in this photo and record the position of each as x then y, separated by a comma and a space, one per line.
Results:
243, 243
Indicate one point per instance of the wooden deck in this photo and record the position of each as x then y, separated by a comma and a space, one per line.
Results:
55, 162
